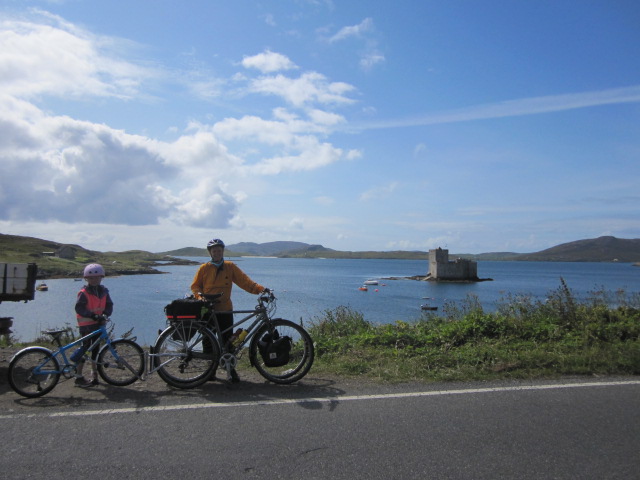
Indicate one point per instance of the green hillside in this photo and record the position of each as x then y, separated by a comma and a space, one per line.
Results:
602, 249
46, 254
64, 260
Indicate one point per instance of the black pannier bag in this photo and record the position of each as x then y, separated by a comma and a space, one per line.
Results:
274, 349
185, 310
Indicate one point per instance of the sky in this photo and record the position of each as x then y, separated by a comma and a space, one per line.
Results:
477, 126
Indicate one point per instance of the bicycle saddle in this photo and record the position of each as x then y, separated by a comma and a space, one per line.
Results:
211, 298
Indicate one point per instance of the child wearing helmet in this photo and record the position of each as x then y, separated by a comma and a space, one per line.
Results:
93, 305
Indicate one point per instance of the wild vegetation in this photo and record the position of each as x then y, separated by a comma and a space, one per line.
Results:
523, 338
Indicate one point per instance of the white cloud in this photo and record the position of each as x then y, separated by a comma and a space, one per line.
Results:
419, 149
55, 58
268, 62
297, 223
519, 107
371, 59
353, 31
309, 88
286, 133
379, 192
56, 168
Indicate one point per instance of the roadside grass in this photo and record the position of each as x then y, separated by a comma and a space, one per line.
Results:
522, 338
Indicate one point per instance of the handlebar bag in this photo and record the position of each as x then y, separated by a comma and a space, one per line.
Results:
274, 349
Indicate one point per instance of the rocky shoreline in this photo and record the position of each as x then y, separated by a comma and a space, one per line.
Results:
428, 278
49, 273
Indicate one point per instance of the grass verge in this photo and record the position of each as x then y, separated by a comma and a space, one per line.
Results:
522, 338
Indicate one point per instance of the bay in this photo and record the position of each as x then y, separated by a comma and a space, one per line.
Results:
306, 288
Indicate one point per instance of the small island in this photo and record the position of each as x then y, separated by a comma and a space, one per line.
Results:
441, 269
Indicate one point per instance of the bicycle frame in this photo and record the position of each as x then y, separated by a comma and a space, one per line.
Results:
66, 366
101, 334
260, 312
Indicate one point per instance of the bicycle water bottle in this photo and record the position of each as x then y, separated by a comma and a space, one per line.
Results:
240, 336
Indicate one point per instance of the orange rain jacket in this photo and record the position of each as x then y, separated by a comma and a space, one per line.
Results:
210, 280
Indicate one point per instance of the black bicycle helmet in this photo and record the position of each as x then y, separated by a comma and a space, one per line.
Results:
216, 242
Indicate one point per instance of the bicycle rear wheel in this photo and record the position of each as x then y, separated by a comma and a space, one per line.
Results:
301, 354
186, 354
123, 368
34, 372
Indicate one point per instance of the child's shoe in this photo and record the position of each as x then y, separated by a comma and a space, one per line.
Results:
95, 382
83, 382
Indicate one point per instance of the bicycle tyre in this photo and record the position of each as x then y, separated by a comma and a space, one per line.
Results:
124, 370
300, 358
21, 377
180, 357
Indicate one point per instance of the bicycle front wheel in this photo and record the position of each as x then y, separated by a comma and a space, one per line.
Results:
34, 372
122, 363
186, 354
300, 356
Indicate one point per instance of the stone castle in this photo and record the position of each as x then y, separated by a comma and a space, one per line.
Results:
441, 268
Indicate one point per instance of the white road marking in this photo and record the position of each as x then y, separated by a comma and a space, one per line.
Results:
346, 398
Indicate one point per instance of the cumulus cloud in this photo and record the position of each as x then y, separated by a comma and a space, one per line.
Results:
52, 57
310, 87
57, 168
268, 62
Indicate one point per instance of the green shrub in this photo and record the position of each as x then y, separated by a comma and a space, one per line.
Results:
522, 338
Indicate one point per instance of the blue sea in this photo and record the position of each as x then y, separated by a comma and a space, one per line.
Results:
306, 288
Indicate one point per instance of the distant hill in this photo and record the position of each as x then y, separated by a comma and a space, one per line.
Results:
272, 248
64, 260
602, 249
487, 257
187, 252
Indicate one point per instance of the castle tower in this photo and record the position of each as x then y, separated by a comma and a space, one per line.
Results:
437, 256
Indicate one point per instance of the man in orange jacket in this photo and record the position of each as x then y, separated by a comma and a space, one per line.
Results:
218, 276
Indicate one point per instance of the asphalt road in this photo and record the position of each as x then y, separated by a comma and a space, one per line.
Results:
326, 428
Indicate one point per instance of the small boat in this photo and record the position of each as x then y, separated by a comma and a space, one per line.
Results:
363, 288
42, 287
428, 307
371, 282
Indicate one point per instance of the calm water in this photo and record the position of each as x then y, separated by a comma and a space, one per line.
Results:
307, 287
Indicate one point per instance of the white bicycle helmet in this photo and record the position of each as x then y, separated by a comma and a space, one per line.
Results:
93, 270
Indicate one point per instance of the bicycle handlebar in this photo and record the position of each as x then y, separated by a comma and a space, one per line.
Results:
267, 296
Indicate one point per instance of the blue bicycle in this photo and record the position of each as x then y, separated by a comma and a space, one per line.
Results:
35, 371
